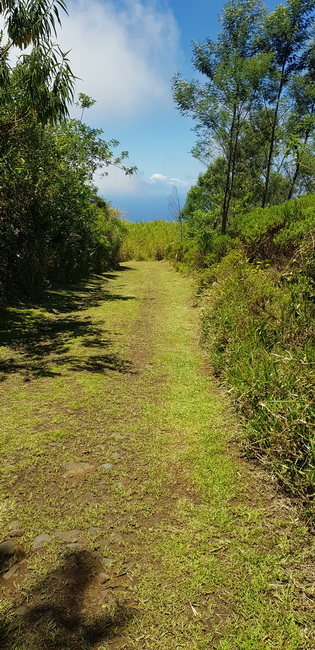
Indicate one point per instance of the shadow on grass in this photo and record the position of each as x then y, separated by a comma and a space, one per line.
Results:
82, 295
9, 555
38, 337
51, 616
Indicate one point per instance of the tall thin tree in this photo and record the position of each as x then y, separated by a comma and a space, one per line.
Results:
285, 35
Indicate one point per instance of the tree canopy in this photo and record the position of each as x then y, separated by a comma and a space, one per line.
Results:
255, 110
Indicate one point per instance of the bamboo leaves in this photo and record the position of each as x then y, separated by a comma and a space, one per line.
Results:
43, 75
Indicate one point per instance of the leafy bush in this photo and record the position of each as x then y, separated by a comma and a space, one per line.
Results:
109, 231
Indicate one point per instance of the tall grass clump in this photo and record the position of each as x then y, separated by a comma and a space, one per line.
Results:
259, 327
149, 240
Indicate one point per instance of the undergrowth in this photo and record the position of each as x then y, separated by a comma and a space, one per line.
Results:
258, 326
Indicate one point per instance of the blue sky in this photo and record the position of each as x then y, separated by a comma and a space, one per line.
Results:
125, 53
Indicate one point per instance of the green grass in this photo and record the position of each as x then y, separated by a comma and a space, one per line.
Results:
200, 552
150, 240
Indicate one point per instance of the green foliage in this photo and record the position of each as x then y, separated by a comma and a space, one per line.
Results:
53, 226
206, 195
109, 231
153, 240
258, 326
255, 111
275, 233
235, 68
43, 73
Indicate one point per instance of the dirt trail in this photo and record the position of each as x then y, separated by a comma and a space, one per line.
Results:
128, 518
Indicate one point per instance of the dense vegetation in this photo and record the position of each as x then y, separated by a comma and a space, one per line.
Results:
53, 226
258, 325
257, 289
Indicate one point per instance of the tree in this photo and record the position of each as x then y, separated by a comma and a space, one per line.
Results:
255, 112
234, 68
84, 102
30, 21
52, 224
206, 195
285, 35
301, 126
174, 208
45, 74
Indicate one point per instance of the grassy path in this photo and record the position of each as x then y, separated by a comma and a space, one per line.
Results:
128, 519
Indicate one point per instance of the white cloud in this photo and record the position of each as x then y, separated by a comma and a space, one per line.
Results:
118, 183
124, 53
160, 178
179, 181
139, 184
157, 177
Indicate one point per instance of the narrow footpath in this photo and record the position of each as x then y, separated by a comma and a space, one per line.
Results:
129, 519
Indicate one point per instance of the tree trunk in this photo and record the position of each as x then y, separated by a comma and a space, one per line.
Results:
231, 187
227, 191
298, 163
272, 139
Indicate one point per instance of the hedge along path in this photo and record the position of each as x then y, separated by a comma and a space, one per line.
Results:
129, 518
